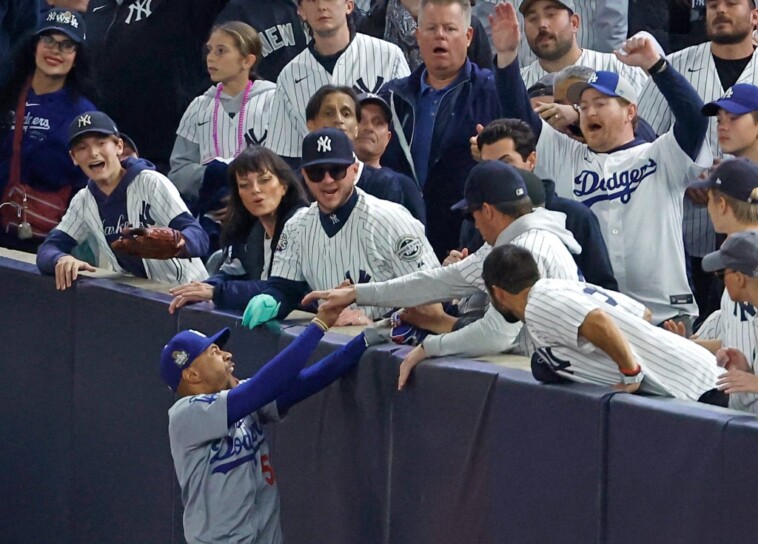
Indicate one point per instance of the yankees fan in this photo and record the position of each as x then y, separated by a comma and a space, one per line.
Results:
228, 117
737, 263
119, 194
583, 333
711, 68
218, 445
635, 188
336, 55
345, 235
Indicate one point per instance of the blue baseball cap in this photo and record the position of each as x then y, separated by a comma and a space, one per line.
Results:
608, 83
739, 252
372, 98
183, 349
68, 22
738, 99
327, 146
91, 121
492, 182
734, 177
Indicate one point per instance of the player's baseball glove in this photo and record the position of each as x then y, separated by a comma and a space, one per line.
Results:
150, 242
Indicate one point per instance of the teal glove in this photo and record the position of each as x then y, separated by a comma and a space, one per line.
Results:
260, 309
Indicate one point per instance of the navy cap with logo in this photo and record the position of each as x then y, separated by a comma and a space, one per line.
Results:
183, 349
91, 121
327, 146
371, 98
535, 188
608, 83
734, 177
567, 4
491, 182
739, 252
66, 21
738, 100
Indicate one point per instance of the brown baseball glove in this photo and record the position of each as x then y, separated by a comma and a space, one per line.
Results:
150, 242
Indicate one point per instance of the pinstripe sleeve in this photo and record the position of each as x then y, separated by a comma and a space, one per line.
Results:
712, 328
554, 318
402, 242
286, 260
73, 222
164, 197
281, 138
401, 68
188, 125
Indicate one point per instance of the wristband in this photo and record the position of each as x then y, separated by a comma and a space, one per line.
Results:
631, 372
320, 324
658, 67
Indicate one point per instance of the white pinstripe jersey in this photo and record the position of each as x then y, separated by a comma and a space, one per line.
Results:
636, 194
82, 219
555, 309
366, 65
597, 61
197, 123
696, 65
735, 325
380, 240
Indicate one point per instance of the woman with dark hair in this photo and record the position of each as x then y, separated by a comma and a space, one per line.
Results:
43, 95
263, 195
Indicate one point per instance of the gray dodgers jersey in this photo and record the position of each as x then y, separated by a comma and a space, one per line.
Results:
228, 487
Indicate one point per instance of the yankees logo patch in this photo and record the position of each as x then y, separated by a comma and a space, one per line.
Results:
618, 186
84, 120
139, 10
324, 144
408, 248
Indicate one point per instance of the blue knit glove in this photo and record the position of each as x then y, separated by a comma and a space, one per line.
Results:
260, 309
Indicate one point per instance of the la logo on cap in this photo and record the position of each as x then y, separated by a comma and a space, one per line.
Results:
592, 78
728, 93
324, 144
85, 120
66, 18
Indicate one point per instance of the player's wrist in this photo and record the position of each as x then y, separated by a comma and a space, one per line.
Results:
632, 376
320, 324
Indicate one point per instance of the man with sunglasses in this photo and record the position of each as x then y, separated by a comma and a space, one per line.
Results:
346, 235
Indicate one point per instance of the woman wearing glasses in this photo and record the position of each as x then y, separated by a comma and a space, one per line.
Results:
44, 94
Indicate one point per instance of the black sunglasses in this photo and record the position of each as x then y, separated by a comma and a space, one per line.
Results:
316, 174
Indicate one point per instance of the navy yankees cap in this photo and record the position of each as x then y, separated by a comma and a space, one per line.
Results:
371, 98
70, 23
327, 146
738, 99
184, 348
534, 187
491, 182
734, 177
91, 121
739, 252
568, 4
608, 83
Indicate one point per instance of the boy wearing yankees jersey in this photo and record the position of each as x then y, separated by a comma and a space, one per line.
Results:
581, 332
336, 55
119, 194
346, 235
635, 188
737, 263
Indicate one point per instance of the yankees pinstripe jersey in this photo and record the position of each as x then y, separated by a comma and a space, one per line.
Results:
637, 195
365, 65
555, 309
697, 66
198, 127
597, 61
379, 240
735, 325
149, 194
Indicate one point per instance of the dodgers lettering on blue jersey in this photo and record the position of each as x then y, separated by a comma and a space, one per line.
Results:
233, 451
620, 185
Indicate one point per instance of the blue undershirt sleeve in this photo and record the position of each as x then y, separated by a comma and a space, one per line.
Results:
56, 245
195, 238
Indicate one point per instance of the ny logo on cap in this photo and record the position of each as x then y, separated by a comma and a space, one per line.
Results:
85, 120
728, 93
592, 78
66, 18
180, 357
324, 144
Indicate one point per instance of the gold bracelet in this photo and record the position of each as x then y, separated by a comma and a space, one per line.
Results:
320, 324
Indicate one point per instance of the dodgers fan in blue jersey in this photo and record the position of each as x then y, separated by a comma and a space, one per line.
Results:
220, 452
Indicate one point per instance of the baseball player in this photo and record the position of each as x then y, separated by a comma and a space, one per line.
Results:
345, 235
496, 195
736, 263
337, 56
583, 333
711, 68
119, 194
635, 188
218, 445
228, 117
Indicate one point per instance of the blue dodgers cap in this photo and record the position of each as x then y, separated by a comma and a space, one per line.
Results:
65, 21
91, 121
492, 182
739, 252
327, 146
738, 99
608, 83
183, 349
736, 178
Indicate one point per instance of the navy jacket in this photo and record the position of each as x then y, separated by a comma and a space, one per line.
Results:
470, 101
